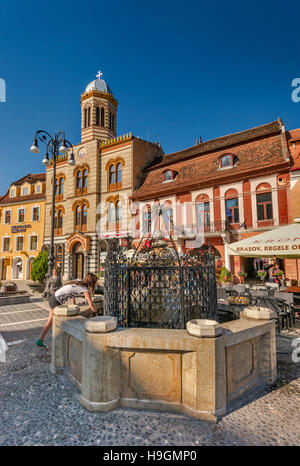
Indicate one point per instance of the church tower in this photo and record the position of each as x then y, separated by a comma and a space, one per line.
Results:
98, 111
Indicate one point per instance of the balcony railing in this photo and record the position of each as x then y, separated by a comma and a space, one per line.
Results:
207, 228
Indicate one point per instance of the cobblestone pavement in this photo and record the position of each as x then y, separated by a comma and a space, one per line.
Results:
39, 408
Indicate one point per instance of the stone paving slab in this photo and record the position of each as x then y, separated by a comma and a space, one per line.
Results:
21, 321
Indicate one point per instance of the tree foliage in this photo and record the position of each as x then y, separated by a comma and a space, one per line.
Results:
39, 267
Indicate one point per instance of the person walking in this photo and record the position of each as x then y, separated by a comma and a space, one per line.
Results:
84, 288
53, 284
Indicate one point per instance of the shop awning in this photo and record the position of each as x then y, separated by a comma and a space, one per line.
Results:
282, 242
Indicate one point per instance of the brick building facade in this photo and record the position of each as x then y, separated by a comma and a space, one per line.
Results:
227, 189
92, 196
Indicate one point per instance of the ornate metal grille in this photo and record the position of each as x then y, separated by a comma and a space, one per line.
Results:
157, 288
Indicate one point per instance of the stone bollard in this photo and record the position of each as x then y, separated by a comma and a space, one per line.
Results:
207, 370
204, 328
60, 314
258, 313
100, 389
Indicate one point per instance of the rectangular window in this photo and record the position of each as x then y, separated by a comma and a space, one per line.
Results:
13, 193
19, 243
264, 206
25, 191
7, 217
232, 210
147, 222
33, 243
35, 214
203, 215
21, 216
6, 244
38, 189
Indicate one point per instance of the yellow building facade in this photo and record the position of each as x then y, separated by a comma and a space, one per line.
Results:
22, 219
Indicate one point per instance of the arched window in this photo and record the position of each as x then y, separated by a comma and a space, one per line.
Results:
61, 185
203, 213
84, 218
169, 175
264, 202
85, 117
89, 116
110, 120
112, 175
77, 217
60, 219
97, 116
55, 220
147, 218
84, 178
113, 122
79, 180
119, 173
232, 206
59, 258
118, 211
168, 217
102, 117
56, 187
227, 161
111, 213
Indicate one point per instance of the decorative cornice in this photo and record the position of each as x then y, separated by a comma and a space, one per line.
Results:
84, 166
95, 93
116, 140
114, 161
81, 202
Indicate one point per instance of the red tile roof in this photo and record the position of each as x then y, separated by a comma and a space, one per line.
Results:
31, 178
261, 149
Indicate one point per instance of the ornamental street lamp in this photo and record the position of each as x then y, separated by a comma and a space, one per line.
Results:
54, 145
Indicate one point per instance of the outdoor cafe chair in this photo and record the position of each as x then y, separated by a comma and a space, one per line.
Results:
288, 299
280, 310
255, 294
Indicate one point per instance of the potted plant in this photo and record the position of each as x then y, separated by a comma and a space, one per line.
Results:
262, 274
225, 276
242, 275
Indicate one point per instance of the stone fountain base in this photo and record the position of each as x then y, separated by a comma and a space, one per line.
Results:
198, 373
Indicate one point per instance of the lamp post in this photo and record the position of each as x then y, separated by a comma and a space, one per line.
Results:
54, 145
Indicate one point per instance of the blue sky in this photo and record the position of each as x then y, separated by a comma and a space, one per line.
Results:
178, 69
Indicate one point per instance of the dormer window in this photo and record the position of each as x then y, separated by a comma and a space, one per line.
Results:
169, 175
227, 161
38, 189
25, 191
13, 193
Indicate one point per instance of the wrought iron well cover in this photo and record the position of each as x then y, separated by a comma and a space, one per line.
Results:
157, 288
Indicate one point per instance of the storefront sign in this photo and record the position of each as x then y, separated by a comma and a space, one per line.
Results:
19, 228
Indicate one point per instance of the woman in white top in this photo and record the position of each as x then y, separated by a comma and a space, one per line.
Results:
70, 290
